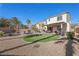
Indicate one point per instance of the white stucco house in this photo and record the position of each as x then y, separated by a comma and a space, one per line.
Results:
60, 22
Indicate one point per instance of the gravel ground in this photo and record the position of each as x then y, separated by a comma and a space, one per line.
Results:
20, 47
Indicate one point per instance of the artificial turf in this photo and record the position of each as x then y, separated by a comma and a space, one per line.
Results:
41, 38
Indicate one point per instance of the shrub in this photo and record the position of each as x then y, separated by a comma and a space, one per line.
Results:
70, 35
1, 33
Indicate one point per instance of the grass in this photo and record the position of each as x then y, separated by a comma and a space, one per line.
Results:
41, 38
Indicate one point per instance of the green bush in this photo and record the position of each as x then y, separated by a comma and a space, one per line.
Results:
70, 35
1, 33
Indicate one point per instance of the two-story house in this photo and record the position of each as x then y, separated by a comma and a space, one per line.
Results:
59, 23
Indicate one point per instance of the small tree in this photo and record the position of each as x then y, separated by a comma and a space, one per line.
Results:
29, 24
34, 28
70, 35
41, 26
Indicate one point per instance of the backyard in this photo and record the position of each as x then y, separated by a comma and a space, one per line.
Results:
38, 44
41, 37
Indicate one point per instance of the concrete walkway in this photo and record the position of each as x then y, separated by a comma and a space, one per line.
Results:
12, 37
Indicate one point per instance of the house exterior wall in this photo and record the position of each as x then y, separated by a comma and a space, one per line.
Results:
76, 31
54, 20
65, 19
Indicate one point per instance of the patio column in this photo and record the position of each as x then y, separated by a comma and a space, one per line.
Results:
62, 29
61, 25
68, 27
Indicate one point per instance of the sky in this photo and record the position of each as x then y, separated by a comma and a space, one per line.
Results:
38, 12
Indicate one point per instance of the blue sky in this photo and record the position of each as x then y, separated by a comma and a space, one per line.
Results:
38, 11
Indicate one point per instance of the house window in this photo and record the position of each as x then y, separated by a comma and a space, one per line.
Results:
59, 18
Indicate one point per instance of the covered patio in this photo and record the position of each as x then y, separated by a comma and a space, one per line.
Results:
57, 27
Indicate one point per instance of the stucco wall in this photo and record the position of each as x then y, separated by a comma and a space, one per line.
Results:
76, 30
54, 19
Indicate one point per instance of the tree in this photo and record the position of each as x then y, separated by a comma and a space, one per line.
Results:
22, 26
28, 21
29, 24
11, 24
16, 23
4, 22
41, 25
34, 28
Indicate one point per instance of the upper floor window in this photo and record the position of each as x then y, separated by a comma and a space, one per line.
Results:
59, 18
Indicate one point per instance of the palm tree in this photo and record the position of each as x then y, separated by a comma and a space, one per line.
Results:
16, 23
29, 24
28, 21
